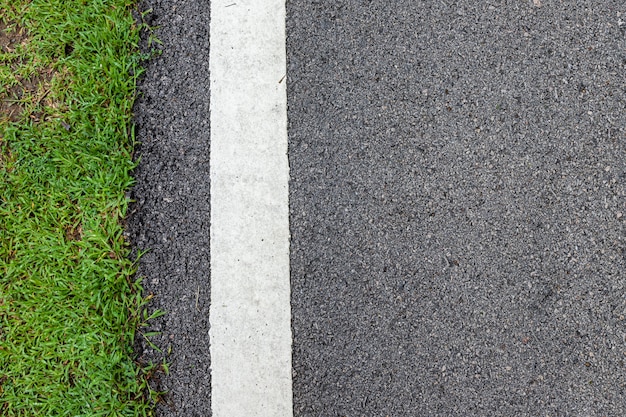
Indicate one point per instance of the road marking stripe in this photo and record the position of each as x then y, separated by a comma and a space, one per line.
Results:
250, 311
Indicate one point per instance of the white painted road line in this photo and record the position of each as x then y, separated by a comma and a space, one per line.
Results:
250, 312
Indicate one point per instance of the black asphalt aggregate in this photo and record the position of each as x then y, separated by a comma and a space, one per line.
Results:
170, 218
457, 207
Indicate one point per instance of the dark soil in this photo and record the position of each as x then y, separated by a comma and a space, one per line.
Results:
29, 94
170, 216
11, 35
12, 100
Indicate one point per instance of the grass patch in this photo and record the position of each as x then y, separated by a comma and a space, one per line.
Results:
69, 302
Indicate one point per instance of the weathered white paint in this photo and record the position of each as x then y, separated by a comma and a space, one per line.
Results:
250, 288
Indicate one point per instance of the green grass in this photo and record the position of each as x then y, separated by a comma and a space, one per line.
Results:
69, 302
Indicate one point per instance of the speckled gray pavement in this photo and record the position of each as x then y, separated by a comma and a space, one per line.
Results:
457, 207
170, 218
457, 202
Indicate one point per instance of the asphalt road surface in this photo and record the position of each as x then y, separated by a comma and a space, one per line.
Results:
457, 206
171, 217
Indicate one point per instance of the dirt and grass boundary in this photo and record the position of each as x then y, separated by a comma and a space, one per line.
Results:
70, 302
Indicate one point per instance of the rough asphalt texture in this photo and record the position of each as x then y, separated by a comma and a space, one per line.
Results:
458, 207
171, 214
457, 199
